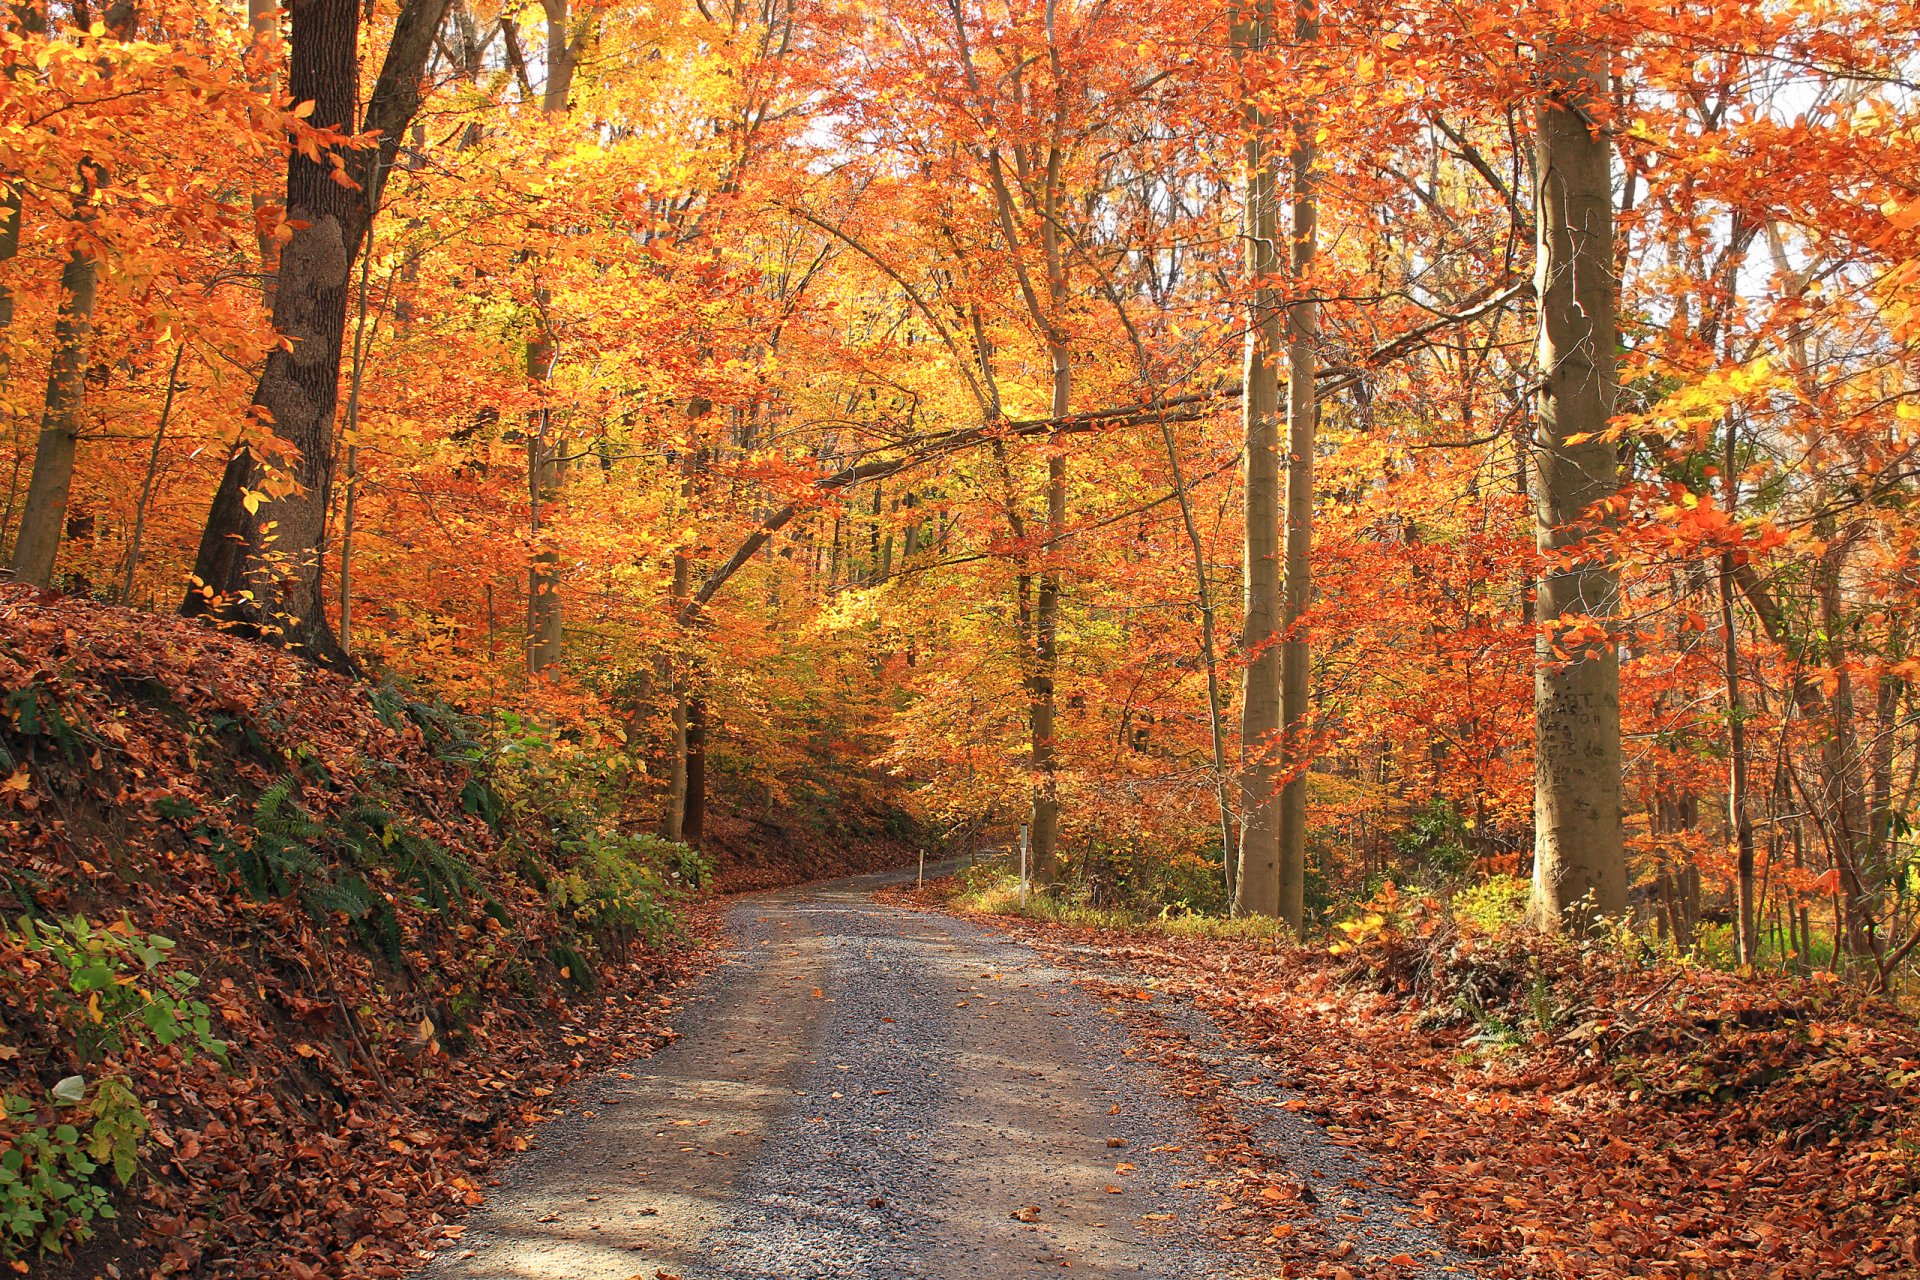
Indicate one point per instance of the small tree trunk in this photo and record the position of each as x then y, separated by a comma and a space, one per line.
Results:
263, 19
151, 478
546, 455
1739, 822
357, 374
45, 516
673, 814
693, 827
1579, 871
9, 250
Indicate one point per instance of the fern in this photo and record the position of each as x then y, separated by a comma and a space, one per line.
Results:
283, 848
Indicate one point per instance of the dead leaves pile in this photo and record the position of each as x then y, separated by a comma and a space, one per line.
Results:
1648, 1122
366, 1099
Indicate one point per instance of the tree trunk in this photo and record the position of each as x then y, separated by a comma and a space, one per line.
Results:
1739, 821
44, 518
546, 455
667, 668
1303, 409
9, 250
1257, 887
349, 508
1579, 869
259, 565
263, 20
152, 477
693, 826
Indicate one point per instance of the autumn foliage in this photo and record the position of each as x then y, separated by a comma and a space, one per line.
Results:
840, 410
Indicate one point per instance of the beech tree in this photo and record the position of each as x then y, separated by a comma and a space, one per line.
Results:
1579, 868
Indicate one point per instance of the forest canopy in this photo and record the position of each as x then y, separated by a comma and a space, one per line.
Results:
1260, 451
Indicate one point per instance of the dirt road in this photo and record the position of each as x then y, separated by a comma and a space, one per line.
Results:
867, 1092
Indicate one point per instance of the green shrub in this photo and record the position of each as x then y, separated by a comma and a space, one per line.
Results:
51, 1188
1496, 903
112, 991
118, 990
1436, 838
618, 888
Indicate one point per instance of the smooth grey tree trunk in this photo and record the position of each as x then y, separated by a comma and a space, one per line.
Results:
1303, 412
1257, 886
1579, 870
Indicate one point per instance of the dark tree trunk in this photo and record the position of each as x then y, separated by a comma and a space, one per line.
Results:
260, 569
693, 825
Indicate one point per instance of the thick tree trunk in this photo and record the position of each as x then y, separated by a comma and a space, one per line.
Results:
44, 518
1303, 409
259, 564
1257, 887
1579, 869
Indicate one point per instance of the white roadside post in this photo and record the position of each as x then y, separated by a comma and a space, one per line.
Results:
1023, 866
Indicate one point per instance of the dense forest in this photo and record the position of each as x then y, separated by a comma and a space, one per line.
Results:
1308, 462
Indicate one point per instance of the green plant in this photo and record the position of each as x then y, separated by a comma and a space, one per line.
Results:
1496, 903
621, 887
281, 848
119, 990
376, 837
51, 1188
113, 991
1436, 838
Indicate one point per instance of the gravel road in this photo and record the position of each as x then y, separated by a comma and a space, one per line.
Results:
860, 1092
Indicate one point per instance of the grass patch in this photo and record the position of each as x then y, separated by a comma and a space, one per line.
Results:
985, 890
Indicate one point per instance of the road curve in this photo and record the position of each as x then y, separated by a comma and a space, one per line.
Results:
860, 1092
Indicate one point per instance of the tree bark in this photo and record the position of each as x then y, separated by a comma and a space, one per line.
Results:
1257, 887
1579, 872
693, 825
44, 518
667, 668
1303, 410
263, 20
546, 454
9, 249
1739, 820
259, 564
152, 477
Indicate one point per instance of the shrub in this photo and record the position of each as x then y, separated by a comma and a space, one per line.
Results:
1496, 903
619, 888
112, 992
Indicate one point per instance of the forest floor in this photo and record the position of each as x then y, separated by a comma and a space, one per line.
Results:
863, 1090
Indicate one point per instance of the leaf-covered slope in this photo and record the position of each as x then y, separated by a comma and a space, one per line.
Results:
379, 950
